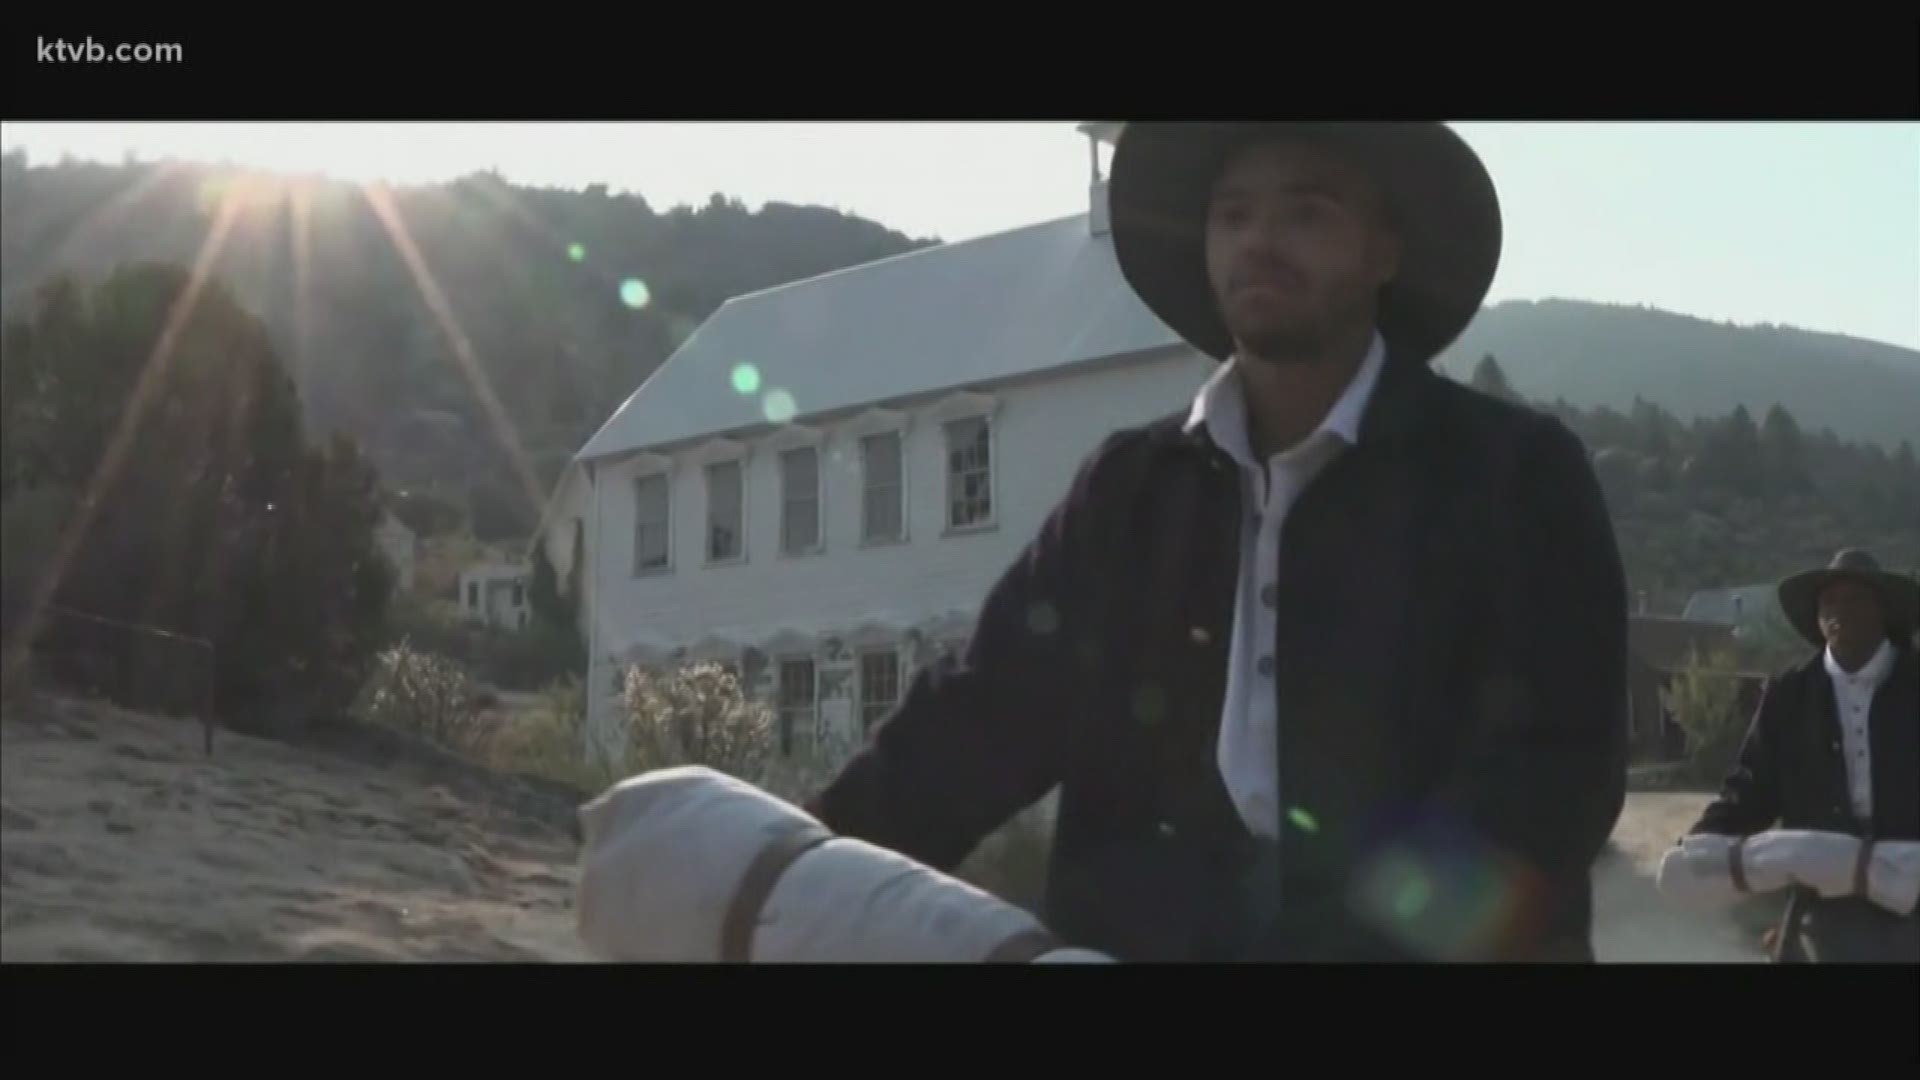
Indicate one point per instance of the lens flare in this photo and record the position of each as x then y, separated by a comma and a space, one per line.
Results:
577, 252
779, 407
634, 294
746, 379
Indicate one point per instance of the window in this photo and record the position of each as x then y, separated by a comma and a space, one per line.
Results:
473, 595
726, 509
796, 698
650, 523
879, 687
519, 594
969, 474
883, 515
800, 501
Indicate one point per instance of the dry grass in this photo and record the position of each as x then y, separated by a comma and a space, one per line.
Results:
123, 841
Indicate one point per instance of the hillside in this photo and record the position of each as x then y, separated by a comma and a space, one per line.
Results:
1596, 355
557, 304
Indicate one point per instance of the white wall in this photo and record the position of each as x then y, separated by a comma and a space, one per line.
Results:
1042, 433
397, 542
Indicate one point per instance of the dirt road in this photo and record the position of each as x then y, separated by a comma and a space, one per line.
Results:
1633, 923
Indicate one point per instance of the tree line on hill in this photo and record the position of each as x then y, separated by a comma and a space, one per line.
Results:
563, 301
1725, 501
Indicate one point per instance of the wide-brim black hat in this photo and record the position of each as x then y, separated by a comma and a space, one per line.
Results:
1439, 193
1899, 595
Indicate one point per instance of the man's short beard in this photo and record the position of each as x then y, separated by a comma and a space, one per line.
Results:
1307, 342
1290, 345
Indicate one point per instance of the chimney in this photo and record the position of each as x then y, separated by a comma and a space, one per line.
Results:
1099, 133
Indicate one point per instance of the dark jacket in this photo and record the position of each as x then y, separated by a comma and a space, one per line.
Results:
1451, 674
1792, 773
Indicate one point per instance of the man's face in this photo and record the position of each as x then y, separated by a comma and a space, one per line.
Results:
1851, 620
1298, 246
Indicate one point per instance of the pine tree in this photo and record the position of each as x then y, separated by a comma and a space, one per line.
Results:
1490, 378
1783, 452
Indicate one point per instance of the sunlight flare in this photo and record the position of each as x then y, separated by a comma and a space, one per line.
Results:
381, 200
107, 472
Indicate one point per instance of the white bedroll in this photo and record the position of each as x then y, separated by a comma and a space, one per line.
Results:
694, 866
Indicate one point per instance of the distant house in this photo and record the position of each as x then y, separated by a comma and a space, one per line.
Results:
1659, 648
495, 593
400, 546
1744, 608
820, 486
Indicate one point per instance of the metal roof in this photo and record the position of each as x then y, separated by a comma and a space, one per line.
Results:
1012, 304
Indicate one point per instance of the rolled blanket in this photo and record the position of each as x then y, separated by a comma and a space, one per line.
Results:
691, 865
1699, 870
1893, 876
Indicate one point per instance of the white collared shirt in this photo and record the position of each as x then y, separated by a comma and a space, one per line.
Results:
1248, 752
1853, 697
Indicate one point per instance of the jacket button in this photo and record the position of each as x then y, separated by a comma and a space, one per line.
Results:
1165, 828
1200, 635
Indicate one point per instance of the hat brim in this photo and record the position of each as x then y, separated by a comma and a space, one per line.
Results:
1442, 199
1899, 600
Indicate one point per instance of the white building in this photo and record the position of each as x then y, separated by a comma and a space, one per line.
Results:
823, 483
399, 545
495, 593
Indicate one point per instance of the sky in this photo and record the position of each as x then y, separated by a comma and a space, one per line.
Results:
1815, 225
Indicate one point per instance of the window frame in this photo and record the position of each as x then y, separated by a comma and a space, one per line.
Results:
740, 556
784, 732
950, 496
665, 479
868, 719
819, 544
904, 532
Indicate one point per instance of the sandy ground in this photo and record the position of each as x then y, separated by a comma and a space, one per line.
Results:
120, 840
1632, 922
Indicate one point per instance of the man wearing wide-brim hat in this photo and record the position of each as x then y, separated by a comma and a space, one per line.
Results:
1824, 799
1329, 665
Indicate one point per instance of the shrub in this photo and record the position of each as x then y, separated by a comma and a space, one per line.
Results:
425, 695
699, 715
1704, 700
548, 742
696, 715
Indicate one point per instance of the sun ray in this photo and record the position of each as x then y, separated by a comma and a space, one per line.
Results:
380, 198
107, 472
300, 224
